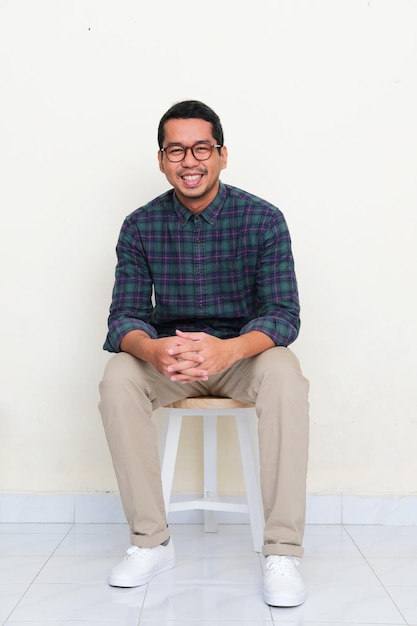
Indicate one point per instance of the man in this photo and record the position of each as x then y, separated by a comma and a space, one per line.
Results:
205, 302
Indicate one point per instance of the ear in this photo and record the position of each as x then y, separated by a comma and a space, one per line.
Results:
223, 156
161, 161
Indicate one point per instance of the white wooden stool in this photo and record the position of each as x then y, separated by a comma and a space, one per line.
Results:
210, 408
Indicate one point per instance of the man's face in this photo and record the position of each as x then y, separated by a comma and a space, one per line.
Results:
196, 183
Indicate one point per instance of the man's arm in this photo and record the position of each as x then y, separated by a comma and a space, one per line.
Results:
276, 286
131, 304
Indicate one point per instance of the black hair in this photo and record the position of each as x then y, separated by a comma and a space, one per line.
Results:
191, 109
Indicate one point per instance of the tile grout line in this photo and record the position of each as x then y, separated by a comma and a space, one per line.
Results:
50, 555
376, 575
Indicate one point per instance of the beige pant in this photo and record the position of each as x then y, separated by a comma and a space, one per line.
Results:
132, 389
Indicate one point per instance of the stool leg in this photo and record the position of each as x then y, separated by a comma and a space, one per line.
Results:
210, 469
251, 475
169, 451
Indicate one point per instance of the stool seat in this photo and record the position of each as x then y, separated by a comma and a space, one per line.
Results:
210, 407
209, 402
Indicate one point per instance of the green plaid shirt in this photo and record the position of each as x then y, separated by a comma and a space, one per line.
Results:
226, 271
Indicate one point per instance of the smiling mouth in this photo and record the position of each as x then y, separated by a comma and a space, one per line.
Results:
191, 178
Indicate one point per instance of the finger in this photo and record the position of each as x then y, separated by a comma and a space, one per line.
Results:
194, 357
181, 378
189, 374
189, 346
192, 336
182, 365
186, 353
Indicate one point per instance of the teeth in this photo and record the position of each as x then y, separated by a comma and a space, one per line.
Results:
191, 177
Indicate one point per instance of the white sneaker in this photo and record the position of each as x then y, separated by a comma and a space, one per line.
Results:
142, 564
283, 585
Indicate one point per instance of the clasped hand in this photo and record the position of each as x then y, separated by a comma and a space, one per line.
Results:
195, 356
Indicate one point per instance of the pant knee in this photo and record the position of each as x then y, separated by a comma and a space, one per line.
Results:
122, 386
280, 368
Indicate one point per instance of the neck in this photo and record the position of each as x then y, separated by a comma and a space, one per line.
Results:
199, 204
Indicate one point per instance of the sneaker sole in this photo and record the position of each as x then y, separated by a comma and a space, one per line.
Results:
284, 601
118, 581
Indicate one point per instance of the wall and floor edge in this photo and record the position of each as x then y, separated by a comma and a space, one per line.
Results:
105, 508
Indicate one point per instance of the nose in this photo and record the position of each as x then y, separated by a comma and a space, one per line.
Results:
189, 157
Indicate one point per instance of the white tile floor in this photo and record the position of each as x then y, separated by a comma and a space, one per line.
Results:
55, 574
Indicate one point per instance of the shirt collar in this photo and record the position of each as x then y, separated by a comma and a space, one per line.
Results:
210, 213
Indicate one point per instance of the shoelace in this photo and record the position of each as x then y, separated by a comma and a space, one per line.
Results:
281, 565
136, 553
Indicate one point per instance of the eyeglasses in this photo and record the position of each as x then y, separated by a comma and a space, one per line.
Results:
201, 151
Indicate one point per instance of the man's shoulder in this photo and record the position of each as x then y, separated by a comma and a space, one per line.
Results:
160, 204
246, 200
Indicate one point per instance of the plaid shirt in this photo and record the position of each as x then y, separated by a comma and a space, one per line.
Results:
227, 271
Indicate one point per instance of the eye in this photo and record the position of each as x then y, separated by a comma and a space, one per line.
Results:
175, 150
202, 148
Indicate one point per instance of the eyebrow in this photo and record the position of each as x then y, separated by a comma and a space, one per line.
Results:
178, 143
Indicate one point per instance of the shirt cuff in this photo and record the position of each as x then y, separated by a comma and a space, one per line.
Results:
119, 329
281, 332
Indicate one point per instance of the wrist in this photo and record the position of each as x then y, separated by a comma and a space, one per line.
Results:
137, 343
250, 344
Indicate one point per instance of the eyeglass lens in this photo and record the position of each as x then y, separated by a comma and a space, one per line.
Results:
200, 151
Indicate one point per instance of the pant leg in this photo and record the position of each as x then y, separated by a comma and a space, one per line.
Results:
130, 391
274, 382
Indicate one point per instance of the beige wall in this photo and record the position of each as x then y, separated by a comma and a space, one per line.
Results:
318, 102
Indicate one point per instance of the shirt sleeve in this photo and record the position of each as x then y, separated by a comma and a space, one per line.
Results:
132, 292
277, 292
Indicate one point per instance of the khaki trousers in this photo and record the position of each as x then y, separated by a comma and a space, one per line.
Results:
132, 389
